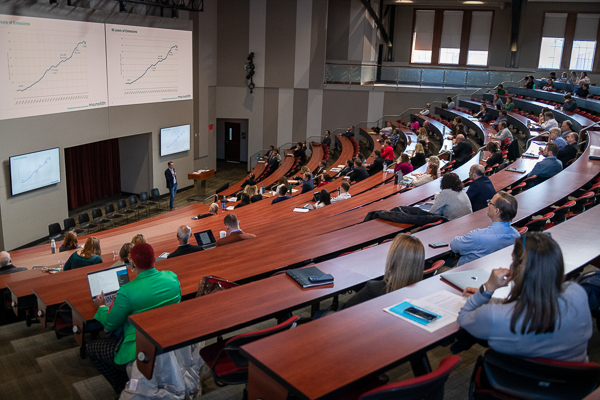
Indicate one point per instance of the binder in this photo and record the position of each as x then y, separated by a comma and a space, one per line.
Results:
300, 276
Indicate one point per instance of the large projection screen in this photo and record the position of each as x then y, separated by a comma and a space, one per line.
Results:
34, 170
50, 66
148, 65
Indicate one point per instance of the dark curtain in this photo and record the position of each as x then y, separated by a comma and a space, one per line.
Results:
93, 172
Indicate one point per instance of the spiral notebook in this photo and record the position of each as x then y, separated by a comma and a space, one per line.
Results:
303, 277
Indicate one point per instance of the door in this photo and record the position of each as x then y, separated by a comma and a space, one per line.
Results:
232, 141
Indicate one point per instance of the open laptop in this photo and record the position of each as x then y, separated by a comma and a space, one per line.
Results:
108, 281
474, 278
205, 239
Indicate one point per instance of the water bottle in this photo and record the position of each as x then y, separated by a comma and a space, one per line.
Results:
290, 189
395, 179
53, 246
259, 157
262, 189
223, 203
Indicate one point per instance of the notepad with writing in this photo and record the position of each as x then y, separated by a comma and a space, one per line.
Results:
305, 277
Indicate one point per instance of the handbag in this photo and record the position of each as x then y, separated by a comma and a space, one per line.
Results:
212, 284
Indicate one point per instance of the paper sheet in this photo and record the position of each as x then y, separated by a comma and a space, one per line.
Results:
230, 208
301, 210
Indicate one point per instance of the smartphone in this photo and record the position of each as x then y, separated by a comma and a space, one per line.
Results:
320, 279
438, 244
421, 314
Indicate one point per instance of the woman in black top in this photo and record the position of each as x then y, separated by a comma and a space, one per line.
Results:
529, 83
245, 201
300, 153
404, 266
496, 154
70, 242
418, 158
347, 169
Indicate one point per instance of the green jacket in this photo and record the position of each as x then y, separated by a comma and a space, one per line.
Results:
150, 289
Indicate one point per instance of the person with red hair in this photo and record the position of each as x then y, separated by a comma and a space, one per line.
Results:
150, 289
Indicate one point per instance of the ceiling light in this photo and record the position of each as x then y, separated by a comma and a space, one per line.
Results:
404, 1
473, 2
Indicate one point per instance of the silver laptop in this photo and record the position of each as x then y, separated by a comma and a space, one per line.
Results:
205, 239
464, 279
108, 281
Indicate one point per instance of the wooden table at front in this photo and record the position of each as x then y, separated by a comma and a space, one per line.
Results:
365, 341
199, 179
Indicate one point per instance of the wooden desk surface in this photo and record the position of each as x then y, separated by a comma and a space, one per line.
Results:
306, 360
482, 130
201, 176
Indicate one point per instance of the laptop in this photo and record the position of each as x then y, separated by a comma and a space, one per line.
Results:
108, 281
205, 239
474, 278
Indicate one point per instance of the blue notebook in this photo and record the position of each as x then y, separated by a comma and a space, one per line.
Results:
400, 310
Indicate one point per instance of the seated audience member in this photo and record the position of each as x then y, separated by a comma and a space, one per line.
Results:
360, 157
496, 154
300, 176
418, 158
451, 202
235, 234
504, 133
569, 152
70, 242
549, 121
573, 78
249, 181
552, 75
434, 160
555, 137
274, 161
563, 79
270, 152
450, 103
377, 165
462, 150
501, 209
509, 106
344, 189
308, 184
550, 165
183, 236
549, 85
528, 82
139, 238
501, 117
542, 317
253, 194
124, 255
486, 116
149, 290
347, 169
388, 129
5, 265
429, 176
542, 116
584, 78
282, 195
360, 173
425, 111
299, 153
482, 109
213, 209
325, 178
89, 255
245, 200
404, 266
321, 168
500, 90
324, 199
570, 104
282, 182
414, 124
481, 189
403, 164
454, 131
327, 139
498, 103
422, 136
582, 91
394, 137
565, 128
349, 132
460, 129
388, 152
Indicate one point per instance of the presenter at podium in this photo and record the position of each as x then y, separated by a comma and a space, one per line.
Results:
171, 177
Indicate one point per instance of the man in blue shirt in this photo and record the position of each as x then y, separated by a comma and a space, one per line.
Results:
502, 208
501, 117
555, 137
282, 196
308, 184
550, 165
481, 189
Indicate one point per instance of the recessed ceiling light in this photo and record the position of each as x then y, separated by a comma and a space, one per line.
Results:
473, 2
404, 1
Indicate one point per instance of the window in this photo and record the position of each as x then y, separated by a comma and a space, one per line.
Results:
584, 42
553, 40
479, 41
423, 37
451, 33
551, 53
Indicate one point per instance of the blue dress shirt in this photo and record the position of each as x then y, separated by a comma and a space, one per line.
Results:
481, 242
547, 168
560, 142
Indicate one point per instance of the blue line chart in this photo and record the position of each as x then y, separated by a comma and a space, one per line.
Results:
53, 66
153, 65
175, 141
34, 172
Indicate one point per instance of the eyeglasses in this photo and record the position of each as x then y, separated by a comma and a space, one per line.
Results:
490, 202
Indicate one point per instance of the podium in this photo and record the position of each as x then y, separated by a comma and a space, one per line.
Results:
199, 178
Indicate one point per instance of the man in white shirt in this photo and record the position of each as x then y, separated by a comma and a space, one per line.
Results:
504, 133
549, 121
425, 111
344, 188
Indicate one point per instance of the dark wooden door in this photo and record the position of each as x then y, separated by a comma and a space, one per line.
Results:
232, 141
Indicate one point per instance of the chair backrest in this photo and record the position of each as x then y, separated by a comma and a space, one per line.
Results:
121, 204
233, 345
434, 267
429, 386
143, 196
529, 378
69, 223
54, 229
133, 200
154, 193
109, 208
83, 218
96, 213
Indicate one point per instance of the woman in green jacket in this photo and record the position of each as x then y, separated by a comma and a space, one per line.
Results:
150, 289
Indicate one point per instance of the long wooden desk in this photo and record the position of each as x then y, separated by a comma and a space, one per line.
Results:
567, 87
517, 120
482, 130
588, 104
306, 361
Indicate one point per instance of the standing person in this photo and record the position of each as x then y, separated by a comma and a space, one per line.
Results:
326, 140
171, 177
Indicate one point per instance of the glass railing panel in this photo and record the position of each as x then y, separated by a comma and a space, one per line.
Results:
454, 78
389, 75
477, 79
432, 77
368, 74
497, 78
409, 76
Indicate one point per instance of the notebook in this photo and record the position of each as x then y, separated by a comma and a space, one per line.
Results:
108, 281
205, 239
303, 277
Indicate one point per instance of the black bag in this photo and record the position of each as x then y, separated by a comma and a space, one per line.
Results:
590, 281
405, 215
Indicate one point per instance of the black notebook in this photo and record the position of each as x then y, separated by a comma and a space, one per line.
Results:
310, 277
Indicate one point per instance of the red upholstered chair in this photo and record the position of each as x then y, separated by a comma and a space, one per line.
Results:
582, 203
434, 268
429, 225
500, 376
228, 365
522, 230
428, 387
539, 224
518, 188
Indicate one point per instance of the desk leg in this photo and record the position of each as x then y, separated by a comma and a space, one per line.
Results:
262, 387
420, 364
